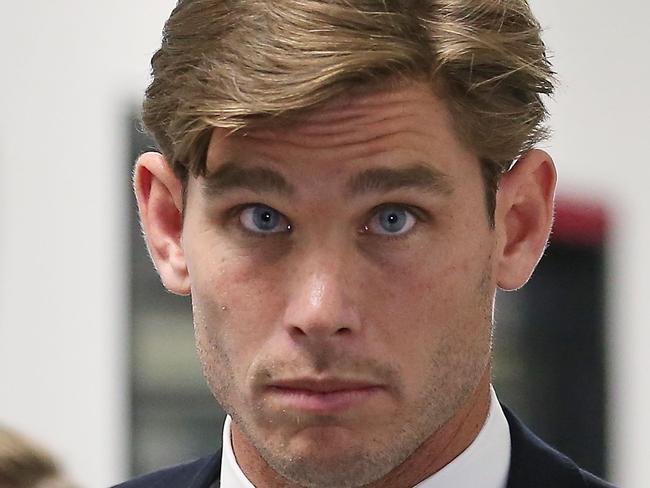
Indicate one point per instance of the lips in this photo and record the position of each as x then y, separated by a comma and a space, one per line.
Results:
328, 395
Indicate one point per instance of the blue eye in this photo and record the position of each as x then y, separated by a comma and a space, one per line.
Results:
263, 220
391, 220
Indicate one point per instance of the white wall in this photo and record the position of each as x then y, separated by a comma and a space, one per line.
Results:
69, 70
601, 119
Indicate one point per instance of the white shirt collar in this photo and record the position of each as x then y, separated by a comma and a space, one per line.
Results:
231, 474
484, 464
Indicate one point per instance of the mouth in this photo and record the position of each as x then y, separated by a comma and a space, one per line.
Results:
322, 396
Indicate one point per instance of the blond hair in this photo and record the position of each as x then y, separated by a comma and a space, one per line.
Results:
238, 63
26, 465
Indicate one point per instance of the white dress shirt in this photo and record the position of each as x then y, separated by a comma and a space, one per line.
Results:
484, 464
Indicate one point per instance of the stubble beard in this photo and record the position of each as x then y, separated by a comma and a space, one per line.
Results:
383, 451
443, 396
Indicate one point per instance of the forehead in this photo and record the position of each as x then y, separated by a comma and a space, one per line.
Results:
381, 126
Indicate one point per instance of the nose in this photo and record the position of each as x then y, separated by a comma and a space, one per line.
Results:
321, 302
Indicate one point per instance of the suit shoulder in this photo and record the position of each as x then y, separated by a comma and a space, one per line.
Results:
592, 481
535, 464
199, 473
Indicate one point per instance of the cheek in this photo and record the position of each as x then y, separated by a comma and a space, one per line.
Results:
437, 299
236, 305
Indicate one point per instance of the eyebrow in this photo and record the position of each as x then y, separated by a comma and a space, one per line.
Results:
418, 175
232, 176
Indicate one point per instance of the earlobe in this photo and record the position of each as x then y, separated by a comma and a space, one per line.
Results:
160, 198
524, 217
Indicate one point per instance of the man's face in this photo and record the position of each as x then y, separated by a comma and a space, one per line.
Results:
342, 283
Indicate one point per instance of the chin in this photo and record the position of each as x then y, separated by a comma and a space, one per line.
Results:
342, 468
330, 456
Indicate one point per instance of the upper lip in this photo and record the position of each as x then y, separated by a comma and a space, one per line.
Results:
323, 385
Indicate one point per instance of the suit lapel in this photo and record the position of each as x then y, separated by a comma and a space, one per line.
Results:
534, 464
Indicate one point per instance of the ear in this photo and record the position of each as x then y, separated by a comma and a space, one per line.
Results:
524, 217
160, 204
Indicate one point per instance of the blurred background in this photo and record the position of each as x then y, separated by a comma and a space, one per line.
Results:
97, 360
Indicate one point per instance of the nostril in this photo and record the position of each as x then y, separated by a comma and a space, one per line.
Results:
298, 331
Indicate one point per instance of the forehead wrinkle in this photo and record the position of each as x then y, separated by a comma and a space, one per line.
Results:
365, 142
359, 128
350, 123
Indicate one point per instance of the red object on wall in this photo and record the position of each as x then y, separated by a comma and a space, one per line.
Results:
579, 222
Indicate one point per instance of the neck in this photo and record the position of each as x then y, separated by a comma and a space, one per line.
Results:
442, 447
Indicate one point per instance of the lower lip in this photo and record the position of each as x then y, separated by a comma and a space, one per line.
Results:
322, 402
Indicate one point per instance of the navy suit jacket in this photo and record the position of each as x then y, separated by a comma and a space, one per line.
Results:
533, 464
